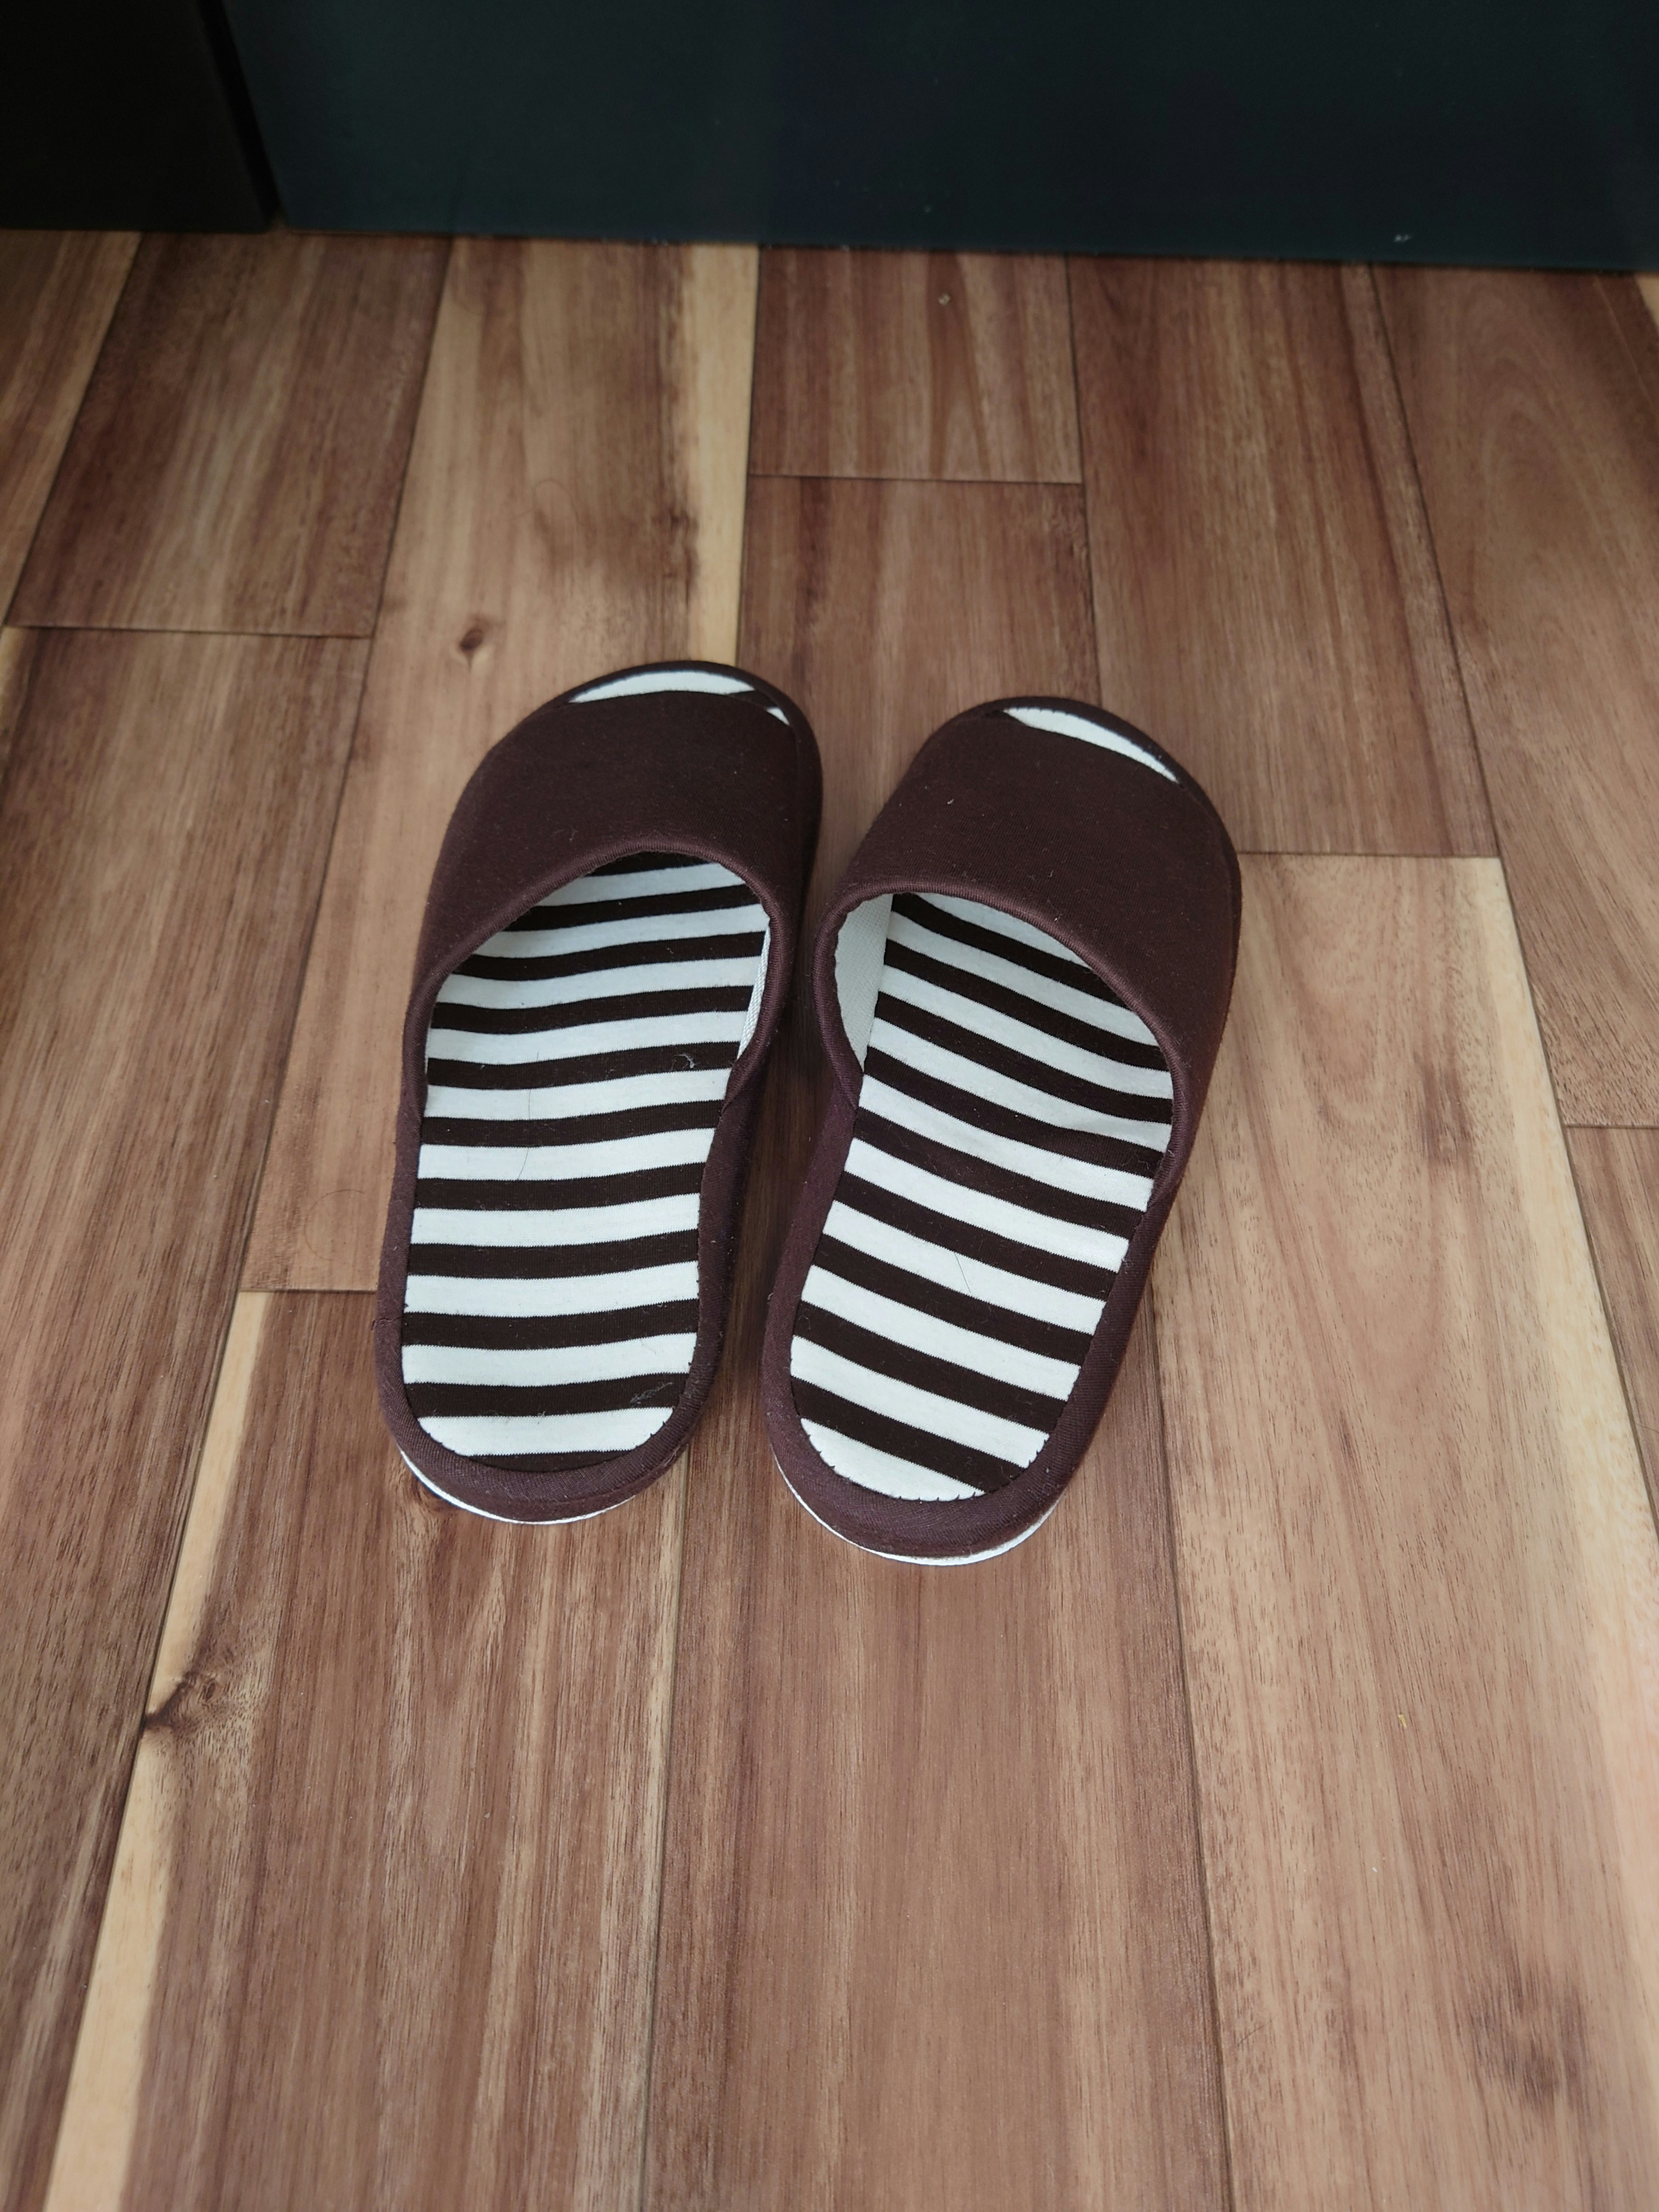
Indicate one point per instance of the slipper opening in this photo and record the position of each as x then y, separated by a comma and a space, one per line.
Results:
1011, 1120
577, 1065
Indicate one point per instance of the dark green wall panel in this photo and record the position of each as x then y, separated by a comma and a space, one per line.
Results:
1473, 130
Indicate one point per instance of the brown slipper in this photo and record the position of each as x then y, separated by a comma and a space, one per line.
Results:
608, 942
1022, 985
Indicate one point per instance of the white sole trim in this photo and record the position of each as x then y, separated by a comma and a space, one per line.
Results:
507, 1520
908, 1559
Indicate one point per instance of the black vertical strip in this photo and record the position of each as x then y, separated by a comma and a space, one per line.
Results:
238, 102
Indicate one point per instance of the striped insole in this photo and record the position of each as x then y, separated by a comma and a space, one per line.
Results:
576, 1067
1011, 1119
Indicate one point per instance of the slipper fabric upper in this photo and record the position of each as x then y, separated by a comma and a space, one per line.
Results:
1035, 947
607, 844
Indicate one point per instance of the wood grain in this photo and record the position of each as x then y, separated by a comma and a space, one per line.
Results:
1649, 287
58, 291
932, 1922
926, 365
382, 1924
16, 661
1419, 1576
1534, 405
1265, 593
1618, 1176
886, 607
164, 817
236, 462
573, 504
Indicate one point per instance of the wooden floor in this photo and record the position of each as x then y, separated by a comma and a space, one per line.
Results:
1279, 1830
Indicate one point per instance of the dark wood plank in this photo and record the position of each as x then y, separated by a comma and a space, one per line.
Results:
1618, 1173
236, 462
932, 1925
1533, 406
1265, 594
1418, 1575
165, 817
929, 365
382, 1923
574, 502
58, 291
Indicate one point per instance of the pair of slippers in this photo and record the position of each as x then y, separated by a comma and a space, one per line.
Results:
1021, 982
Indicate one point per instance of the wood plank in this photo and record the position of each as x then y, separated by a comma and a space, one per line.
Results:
1265, 593
1533, 406
381, 1928
236, 462
164, 817
844, 585
1618, 1174
16, 659
1649, 287
928, 365
931, 1926
574, 502
58, 291
1418, 1575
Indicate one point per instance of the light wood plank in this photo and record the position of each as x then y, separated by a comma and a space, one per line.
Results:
1534, 405
927, 365
1418, 1575
574, 502
165, 818
1618, 1173
107, 2082
382, 1924
236, 462
1265, 594
1649, 287
58, 291
932, 1924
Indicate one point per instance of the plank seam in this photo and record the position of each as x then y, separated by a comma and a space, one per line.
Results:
18, 707
115, 309
1082, 488
965, 483
684, 1473
1230, 2195
684, 1461
237, 1291
1637, 353
1350, 853
1445, 602
403, 486
1649, 1473
1562, 1126
150, 630
143, 630
1192, 1754
333, 828
141, 1722
749, 476
281, 1083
